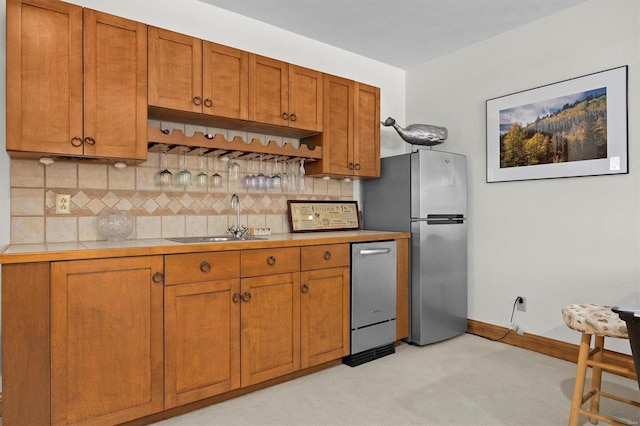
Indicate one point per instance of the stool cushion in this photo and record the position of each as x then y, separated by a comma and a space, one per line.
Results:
594, 319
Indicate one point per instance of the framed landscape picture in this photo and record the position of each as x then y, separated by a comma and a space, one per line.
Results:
576, 127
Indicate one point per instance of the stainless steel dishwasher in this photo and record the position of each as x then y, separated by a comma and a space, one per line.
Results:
373, 301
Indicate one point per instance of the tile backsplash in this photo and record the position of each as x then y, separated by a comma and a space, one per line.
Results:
158, 212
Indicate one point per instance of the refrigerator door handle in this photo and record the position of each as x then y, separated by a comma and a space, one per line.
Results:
445, 219
367, 252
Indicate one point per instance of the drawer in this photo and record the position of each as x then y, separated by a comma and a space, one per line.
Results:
269, 261
325, 256
198, 267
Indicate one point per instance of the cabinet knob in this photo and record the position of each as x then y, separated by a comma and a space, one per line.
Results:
293, 117
158, 278
89, 140
304, 288
246, 296
357, 166
236, 298
208, 103
350, 166
285, 116
271, 260
76, 141
327, 255
197, 100
205, 267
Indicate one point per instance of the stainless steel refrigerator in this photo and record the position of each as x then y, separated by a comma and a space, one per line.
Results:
425, 193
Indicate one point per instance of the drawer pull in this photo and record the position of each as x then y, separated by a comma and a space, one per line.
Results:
208, 103
293, 117
236, 298
327, 255
197, 100
271, 260
89, 140
285, 116
304, 288
158, 278
246, 296
76, 141
205, 267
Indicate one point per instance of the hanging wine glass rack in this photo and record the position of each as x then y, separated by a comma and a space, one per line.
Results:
175, 141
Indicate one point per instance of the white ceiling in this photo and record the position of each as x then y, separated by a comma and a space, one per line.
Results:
402, 33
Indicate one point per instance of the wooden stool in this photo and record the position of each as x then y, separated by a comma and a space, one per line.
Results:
600, 321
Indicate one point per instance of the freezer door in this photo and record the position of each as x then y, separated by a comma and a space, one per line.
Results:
438, 281
386, 202
438, 183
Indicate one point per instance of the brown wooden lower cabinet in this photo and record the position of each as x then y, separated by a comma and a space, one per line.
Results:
202, 340
270, 327
106, 341
325, 317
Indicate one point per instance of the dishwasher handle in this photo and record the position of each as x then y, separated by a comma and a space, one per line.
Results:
366, 252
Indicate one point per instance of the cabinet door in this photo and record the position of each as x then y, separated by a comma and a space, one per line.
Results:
337, 145
175, 70
202, 340
44, 71
305, 98
115, 85
366, 140
225, 90
324, 315
268, 90
106, 340
270, 327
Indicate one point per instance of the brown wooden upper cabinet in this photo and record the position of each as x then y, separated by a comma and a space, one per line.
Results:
284, 94
193, 75
77, 81
351, 133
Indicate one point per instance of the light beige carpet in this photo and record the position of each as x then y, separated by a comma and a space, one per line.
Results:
467, 380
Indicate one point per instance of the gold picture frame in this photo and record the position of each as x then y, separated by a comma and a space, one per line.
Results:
313, 216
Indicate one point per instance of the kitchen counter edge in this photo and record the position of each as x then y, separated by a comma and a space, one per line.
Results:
47, 252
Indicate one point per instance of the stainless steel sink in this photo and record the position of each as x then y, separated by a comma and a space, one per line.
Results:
214, 239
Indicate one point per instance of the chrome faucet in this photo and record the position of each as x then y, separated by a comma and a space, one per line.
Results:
237, 231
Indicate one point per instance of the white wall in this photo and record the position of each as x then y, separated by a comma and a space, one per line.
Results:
555, 241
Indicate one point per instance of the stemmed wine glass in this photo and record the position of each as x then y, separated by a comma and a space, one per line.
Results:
262, 178
301, 185
165, 177
276, 180
250, 178
293, 177
233, 168
202, 178
216, 179
184, 175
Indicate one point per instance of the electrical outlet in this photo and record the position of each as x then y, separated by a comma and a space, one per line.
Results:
519, 330
63, 204
522, 304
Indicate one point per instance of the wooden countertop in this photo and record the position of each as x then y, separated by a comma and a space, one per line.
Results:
25, 253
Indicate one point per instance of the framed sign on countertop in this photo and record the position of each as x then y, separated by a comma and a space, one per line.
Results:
312, 216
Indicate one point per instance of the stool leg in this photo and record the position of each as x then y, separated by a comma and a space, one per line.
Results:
596, 378
581, 373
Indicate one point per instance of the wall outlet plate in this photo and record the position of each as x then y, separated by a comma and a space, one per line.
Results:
522, 306
63, 204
